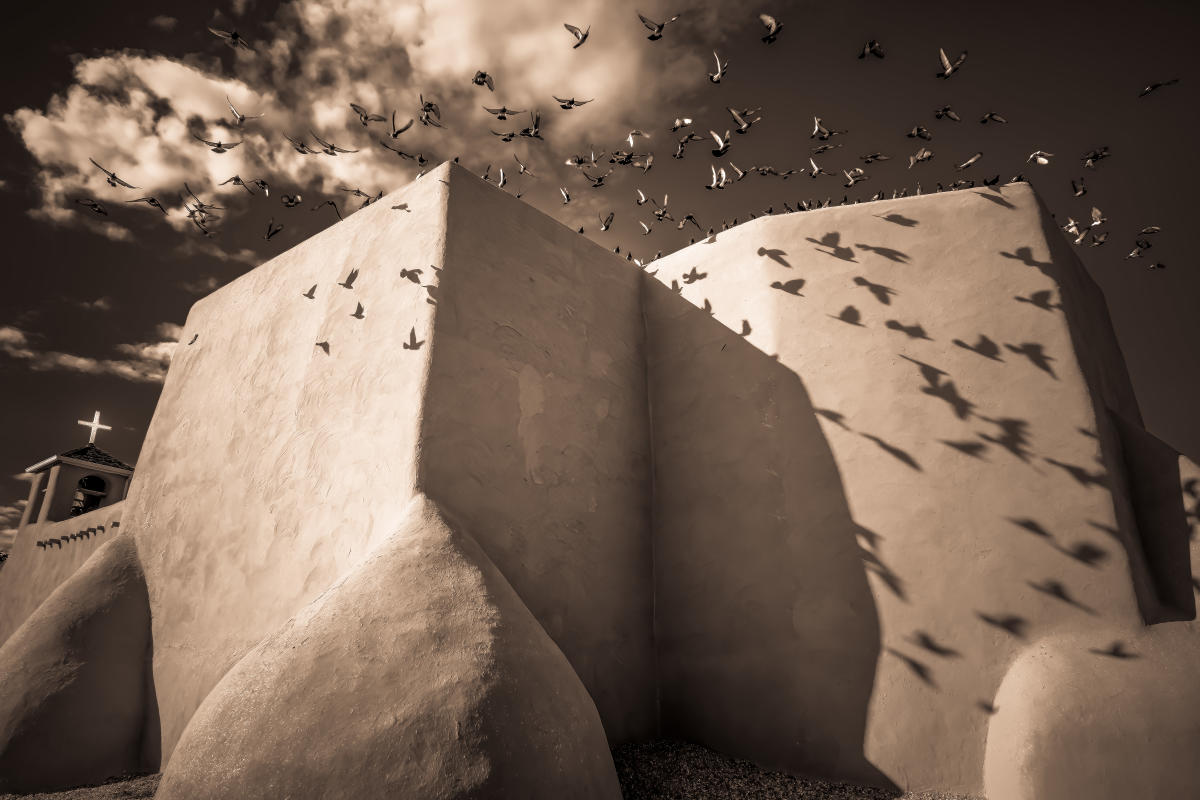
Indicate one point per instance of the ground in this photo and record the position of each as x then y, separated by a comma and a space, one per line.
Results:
659, 770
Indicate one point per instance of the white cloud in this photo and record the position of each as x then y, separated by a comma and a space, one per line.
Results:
135, 113
99, 304
164, 22
10, 517
143, 362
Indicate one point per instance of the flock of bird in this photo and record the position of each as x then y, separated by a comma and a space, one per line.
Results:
597, 167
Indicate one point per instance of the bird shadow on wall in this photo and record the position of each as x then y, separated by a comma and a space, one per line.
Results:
768, 634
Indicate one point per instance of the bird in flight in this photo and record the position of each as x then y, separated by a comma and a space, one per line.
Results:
350, 278
522, 168
991, 116
329, 203
715, 77
969, 161
272, 229
150, 201
290, 200
358, 312
395, 132
656, 28
503, 112
300, 146
311, 293
947, 112
111, 177
238, 117
606, 222
92, 205
1040, 156
218, 146
324, 346
231, 38
580, 36
873, 48
949, 68
365, 116
412, 343
1157, 85
567, 103
195, 336
566, 196
722, 143
772, 25
483, 79
329, 148
236, 181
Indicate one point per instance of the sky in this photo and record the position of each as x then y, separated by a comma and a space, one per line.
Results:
90, 304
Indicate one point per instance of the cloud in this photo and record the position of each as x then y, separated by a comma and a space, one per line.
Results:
201, 285
136, 113
99, 304
10, 517
164, 23
143, 362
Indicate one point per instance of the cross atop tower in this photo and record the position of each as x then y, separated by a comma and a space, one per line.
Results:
95, 426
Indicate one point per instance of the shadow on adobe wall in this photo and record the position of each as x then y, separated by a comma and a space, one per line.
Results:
767, 631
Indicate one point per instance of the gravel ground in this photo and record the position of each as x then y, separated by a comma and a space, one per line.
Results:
673, 770
121, 788
659, 770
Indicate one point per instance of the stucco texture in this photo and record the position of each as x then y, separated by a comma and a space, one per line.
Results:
32, 573
849, 420
75, 693
418, 674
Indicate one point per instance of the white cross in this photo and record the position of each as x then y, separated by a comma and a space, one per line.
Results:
95, 426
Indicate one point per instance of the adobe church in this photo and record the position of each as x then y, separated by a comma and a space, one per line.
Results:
845, 501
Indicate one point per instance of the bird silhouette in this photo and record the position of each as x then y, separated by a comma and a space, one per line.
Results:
850, 315
413, 275
350, 278
893, 451
745, 328
1081, 475
1057, 590
971, 448
918, 668
1086, 553
1036, 355
311, 293
927, 642
195, 336
272, 229
914, 331
890, 253
899, 219
791, 287
831, 240
358, 312
1009, 623
1040, 299
1031, 525
324, 346
412, 343
882, 293
693, 276
943, 390
775, 254
984, 347
1115, 650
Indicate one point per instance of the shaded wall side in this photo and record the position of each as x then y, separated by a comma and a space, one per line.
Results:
767, 633
32, 573
271, 467
1142, 471
535, 434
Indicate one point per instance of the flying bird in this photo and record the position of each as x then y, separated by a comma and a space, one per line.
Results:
606, 222
991, 116
92, 205
236, 181
272, 229
656, 28
365, 116
772, 25
1040, 156
311, 293
329, 148
567, 103
1157, 85
150, 201
111, 177
791, 287
715, 77
949, 68
290, 200
300, 146
218, 146
969, 161
483, 79
231, 38
566, 196
358, 312
324, 346
722, 144
238, 117
948, 113
522, 168
580, 36
742, 121
873, 48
